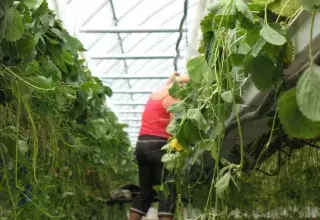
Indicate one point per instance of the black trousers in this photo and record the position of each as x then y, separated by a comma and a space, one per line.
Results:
152, 172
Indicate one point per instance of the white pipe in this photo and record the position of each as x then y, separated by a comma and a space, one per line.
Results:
195, 33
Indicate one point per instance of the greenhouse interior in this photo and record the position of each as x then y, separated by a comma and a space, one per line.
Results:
159, 109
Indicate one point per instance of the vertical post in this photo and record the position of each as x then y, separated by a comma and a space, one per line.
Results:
195, 30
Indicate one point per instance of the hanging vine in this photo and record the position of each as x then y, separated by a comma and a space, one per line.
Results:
243, 43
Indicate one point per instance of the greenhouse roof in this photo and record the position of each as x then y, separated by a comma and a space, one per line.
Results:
131, 46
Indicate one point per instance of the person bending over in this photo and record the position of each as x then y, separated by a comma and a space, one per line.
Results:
152, 137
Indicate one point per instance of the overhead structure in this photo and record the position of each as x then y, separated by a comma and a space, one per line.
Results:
132, 46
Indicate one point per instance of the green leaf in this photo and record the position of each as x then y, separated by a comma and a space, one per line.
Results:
175, 89
33, 4
288, 53
206, 23
243, 8
272, 36
58, 33
50, 69
14, 26
41, 82
209, 145
171, 128
227, 21
222, 185
256, 7
264, 72
25, 90
293, 121
26, 47
228, 96
308, 93
177, 108
73, 45
22, 148
243, 48
223, 7
196, 67
108, 91
195, 114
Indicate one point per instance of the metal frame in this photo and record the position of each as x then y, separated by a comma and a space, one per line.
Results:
130, 30
129, 111
128, 91
131, 76
132, 79
132, 56
129, 103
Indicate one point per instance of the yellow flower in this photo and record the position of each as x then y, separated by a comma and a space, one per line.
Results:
174, 144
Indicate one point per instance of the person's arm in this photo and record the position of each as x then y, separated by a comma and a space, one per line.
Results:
168, 101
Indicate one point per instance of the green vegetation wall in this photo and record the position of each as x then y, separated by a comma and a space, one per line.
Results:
225, 169
61, 149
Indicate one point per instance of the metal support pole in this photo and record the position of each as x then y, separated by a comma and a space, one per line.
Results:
195, 35
120, 41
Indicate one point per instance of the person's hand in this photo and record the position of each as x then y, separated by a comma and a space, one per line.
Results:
172, 77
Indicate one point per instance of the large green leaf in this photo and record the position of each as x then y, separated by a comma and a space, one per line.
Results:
41, 82
206, 23
177, 108
264, 72
293, 121
14, 26
33, 4
26, 47
308, 93
272, 36
196, 67
195, 114
243, 8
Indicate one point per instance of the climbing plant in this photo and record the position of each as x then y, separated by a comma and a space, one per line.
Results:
243, 42
61, 149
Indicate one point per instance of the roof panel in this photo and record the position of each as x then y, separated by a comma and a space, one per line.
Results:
133, 13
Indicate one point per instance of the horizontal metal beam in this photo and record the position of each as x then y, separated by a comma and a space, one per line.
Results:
129, 111
139, 29
132, 131
133, 126
130, 119
134, 76
138, 91
132, 56
129, 103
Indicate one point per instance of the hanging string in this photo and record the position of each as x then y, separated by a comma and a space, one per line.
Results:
185, 12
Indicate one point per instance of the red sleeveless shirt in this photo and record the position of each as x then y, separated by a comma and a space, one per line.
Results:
155, 119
